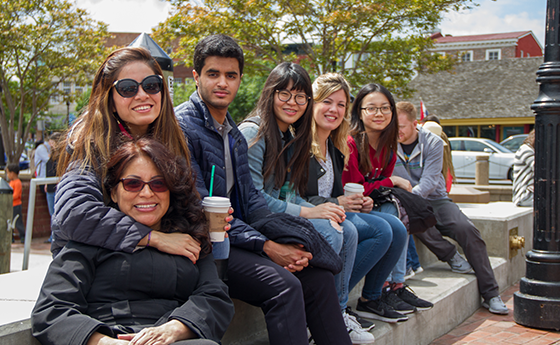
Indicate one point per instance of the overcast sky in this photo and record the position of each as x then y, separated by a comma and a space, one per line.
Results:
489, 17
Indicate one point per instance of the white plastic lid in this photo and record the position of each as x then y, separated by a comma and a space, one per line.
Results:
354, 187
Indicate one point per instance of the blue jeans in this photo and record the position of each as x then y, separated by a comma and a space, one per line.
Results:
220, 250
379, 248
50, 202
412, 259
389, 212
344, 244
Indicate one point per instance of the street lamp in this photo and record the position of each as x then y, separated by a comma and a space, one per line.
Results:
537, 304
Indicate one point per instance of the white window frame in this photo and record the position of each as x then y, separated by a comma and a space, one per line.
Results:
489, 51
464, 53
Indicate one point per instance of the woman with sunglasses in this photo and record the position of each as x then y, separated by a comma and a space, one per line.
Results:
129, 100
373, 144
379, 245
277, 132
92, 295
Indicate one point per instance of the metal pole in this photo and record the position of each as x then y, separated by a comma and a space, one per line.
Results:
31, 213
537, 304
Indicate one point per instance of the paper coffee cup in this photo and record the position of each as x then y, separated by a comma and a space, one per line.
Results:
216, 209
353, 188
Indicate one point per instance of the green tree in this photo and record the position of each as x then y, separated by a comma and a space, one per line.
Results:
43, 43
366, 40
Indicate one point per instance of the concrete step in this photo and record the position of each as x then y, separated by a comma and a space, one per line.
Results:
455, 297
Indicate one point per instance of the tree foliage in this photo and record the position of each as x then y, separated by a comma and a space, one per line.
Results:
366, 40
43, 43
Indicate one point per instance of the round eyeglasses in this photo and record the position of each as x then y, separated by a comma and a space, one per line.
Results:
128, 88
385, 110
285, 96
131, 184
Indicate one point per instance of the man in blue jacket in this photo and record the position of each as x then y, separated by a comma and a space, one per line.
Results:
261, 272
419, 160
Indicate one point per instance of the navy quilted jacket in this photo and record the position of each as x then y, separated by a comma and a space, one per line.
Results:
206, 147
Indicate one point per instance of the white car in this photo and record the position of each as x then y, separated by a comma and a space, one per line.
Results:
465, 150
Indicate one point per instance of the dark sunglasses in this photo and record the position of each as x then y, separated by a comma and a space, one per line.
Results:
132, 184
127, 88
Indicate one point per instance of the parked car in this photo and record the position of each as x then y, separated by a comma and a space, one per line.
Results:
465, 150
513, 142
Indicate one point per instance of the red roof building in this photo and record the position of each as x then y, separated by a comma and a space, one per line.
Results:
520, 44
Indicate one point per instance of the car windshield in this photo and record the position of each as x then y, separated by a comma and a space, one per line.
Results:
498, 146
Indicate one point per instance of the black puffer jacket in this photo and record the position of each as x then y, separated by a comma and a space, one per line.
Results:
81, 215
206, 147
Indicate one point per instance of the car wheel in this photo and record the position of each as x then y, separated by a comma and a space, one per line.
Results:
510, 174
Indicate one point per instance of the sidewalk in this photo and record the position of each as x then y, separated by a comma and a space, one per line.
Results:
40, 254
484, 327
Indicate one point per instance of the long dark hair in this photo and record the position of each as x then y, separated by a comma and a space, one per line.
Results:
96, 135
275, 155
185, 210
387, 142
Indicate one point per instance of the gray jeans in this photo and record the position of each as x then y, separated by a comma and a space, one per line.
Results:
453, 223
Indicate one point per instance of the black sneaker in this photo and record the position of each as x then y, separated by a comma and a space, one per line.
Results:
390, 297
366, 325
379, 310
407, 295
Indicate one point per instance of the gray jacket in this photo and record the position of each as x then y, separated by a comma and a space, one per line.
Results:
423, 167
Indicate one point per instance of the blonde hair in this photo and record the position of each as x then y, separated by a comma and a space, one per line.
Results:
324, 86
409, 109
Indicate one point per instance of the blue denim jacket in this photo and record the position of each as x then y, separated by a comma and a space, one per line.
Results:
293, 202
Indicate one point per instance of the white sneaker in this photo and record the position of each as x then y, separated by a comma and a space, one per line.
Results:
409, 273
355, 331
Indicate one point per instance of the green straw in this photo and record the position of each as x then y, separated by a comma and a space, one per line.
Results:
212, 179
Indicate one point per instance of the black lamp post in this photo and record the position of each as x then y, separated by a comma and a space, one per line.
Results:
537, 304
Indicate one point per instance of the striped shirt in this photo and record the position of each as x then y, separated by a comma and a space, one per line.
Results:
523, 174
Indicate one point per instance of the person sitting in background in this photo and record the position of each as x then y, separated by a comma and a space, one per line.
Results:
420, 155
431, 123
12, 170
93, 295
524, 171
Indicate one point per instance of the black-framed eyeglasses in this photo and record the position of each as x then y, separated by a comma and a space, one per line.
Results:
385, 110
285, 96
131, 184
127, 88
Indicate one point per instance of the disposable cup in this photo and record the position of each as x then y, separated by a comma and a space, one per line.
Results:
216, 209
353, 188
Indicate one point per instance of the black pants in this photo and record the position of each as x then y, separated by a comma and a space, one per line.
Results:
289, 301
195, 342
453, 223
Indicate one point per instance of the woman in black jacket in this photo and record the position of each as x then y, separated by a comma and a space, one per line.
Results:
93, 295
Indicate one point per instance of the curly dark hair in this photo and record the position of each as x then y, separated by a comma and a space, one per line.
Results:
185, 212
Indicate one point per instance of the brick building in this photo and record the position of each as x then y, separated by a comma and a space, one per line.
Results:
497, 46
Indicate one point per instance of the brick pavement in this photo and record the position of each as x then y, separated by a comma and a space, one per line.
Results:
484, 327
